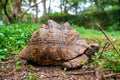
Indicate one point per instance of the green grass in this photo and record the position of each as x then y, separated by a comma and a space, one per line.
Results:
88, 33
14, 37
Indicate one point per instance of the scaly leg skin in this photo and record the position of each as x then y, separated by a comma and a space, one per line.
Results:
76, 62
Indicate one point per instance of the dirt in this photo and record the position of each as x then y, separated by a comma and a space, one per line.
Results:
15, 69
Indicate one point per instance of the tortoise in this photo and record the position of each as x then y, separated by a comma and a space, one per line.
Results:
55, 44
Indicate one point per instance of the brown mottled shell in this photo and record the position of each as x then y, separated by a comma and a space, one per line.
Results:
54, 44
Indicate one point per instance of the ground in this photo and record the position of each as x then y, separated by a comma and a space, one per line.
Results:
15, 69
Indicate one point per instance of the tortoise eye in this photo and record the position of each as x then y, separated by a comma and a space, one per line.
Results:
95, 48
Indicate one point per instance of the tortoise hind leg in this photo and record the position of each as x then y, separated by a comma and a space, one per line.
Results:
76, 62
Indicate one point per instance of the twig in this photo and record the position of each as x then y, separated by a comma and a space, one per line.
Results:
1, 74
104, 49
112, 75
107, 46
82, 73
7, 62
107, 38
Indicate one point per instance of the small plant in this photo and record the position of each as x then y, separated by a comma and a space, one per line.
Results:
112, 61
63, 72
2, 56
17, 66
109, 60
31, 67
31, 76
3, 68
83, 62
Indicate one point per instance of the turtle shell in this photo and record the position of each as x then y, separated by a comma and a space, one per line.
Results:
54, 44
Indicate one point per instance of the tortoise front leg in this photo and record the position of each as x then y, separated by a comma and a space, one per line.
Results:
76, 62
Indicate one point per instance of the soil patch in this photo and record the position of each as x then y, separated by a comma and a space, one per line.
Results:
14, 69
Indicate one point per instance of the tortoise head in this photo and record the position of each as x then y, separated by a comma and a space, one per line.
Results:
93, 48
